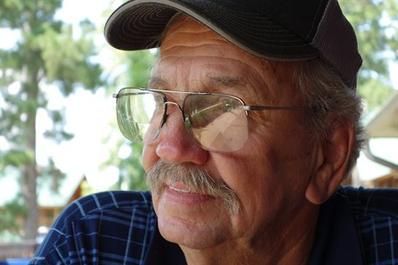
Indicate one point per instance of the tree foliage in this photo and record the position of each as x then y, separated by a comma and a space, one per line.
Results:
131, 173
8, 221
376, 26
47, 55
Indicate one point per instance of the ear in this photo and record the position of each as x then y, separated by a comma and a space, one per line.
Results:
332, 161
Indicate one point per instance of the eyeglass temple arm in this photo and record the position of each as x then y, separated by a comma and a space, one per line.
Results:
258, 108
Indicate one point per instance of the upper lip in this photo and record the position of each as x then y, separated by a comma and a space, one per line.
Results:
182, 187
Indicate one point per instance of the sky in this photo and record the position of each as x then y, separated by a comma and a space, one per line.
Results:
88, 115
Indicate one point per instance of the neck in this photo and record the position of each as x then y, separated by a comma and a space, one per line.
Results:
288, 244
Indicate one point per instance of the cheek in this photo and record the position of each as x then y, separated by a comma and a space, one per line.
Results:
149, 157
267, 174
285, 159
253, 176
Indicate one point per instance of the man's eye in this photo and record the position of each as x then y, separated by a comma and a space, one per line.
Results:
228, 105
200, 117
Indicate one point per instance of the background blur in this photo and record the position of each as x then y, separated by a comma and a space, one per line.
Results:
58, 134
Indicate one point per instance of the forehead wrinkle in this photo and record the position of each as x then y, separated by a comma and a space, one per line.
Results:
176, 73
191, 35
245, 80
188, 39
181, 38
181, 29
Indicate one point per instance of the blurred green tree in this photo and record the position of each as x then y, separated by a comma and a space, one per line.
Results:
376, 25
127, 155
48, 55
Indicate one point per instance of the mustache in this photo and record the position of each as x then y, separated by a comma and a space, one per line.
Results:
197, 179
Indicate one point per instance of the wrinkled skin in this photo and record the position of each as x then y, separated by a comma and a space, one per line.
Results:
279, 176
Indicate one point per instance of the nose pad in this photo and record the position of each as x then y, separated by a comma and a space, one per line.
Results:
166, 112
172, 123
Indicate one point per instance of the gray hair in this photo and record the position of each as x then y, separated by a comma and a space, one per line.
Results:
333, 102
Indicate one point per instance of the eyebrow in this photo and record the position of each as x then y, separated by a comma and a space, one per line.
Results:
157, 82
213, 82
234, 85
226, 81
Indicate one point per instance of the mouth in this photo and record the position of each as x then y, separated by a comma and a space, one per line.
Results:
179, 189
179, 192
179, 186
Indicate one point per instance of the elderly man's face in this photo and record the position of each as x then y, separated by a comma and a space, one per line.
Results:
269, 175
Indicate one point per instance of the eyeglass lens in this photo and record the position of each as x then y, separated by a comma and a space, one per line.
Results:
218, 122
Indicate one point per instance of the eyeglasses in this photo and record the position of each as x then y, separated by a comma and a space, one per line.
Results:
217, 121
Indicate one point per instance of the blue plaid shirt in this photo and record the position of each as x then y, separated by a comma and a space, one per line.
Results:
355, 226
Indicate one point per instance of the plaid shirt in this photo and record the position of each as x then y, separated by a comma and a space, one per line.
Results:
356, 226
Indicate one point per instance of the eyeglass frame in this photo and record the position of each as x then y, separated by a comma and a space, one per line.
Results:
186, 120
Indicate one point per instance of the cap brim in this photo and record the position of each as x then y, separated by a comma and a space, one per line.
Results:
139, 24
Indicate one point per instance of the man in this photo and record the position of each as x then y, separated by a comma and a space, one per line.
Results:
250, 124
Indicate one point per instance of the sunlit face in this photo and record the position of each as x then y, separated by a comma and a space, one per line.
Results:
269, 175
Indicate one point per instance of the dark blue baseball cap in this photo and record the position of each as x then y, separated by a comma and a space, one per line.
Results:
282, 30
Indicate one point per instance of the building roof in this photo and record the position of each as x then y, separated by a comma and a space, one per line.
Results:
382, 129
385, 122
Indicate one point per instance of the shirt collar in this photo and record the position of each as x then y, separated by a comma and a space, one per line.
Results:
337, 239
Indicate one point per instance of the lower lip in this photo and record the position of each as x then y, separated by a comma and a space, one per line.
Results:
189, 198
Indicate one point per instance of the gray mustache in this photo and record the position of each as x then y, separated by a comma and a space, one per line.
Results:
197, 179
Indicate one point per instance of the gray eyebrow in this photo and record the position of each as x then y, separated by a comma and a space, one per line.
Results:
226, 81
213, 81
156, 82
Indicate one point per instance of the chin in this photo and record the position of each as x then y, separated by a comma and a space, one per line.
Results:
193, 236
192, 226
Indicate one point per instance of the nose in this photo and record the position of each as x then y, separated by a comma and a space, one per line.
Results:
176, 144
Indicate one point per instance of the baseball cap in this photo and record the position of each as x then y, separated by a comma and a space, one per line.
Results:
283, 30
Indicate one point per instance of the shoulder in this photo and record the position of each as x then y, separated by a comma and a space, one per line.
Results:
118, 205
103, 222
102, 202
372, 202
375, 213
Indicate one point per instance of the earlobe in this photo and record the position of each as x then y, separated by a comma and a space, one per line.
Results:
332, 161
317, 190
